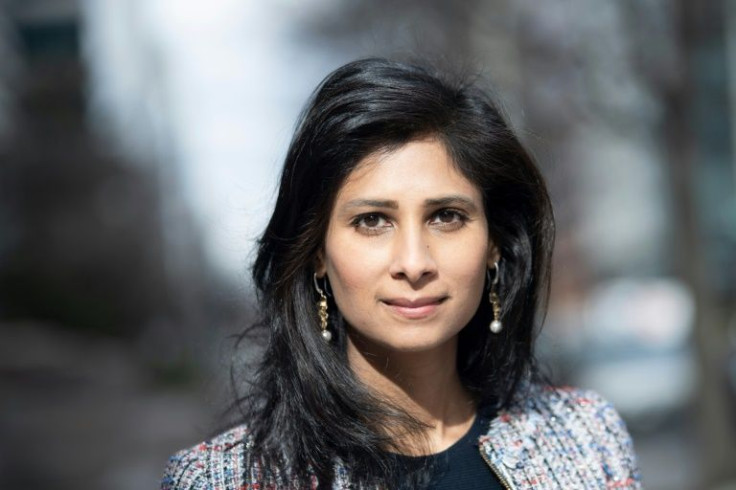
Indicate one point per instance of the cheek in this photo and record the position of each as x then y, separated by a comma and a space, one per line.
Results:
353, 272
466, 273
347, 275
467, 269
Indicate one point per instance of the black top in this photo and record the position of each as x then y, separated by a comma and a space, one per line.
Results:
459, 467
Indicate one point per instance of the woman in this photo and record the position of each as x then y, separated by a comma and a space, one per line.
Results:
400, 278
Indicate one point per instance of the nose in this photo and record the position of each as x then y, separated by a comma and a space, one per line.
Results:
412, 258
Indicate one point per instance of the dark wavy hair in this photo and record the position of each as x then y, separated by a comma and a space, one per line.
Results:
306, 408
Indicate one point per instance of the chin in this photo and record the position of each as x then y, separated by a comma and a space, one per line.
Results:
408, 342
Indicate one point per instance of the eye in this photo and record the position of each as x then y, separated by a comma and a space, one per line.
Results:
370, 223
448, 219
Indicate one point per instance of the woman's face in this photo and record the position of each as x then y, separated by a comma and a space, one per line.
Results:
407, 248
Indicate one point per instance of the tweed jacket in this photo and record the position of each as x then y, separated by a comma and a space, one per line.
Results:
551, 438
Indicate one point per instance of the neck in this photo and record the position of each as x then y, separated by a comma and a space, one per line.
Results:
426, 385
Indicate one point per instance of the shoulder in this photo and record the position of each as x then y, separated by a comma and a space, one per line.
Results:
583, 409
566, 436
216, 464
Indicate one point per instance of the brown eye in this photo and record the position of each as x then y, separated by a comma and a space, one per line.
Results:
448, 219
371, 220
371, 223
447, 216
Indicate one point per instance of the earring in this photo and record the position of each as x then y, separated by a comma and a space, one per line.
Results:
496, 326
322, 311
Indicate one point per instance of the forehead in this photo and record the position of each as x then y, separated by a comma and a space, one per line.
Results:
417, 170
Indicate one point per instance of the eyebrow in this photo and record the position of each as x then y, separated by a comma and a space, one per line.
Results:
451, 201
434, 202
372, 203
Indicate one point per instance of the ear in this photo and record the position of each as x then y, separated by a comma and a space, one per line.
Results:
494, 255
320, 266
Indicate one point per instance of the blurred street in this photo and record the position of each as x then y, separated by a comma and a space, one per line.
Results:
84, 413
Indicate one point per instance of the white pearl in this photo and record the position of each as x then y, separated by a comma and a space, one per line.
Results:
496, 326
327, 335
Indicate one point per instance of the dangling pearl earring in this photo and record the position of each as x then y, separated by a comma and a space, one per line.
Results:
322, 311
496, 326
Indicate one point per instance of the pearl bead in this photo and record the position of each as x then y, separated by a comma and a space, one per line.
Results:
496, 326
327, 335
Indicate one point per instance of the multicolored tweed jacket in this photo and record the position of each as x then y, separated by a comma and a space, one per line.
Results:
553, 438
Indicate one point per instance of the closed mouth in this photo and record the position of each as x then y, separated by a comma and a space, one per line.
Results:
414, 303
415, 309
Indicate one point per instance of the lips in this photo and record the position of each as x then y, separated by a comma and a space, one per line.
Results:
414, 308
414, 303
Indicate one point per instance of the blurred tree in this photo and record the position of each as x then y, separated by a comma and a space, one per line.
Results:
82, 245
434, 28
697, 127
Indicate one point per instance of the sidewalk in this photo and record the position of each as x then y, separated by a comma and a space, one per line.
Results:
83, 414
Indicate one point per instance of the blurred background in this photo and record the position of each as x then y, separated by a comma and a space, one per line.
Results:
141, 140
